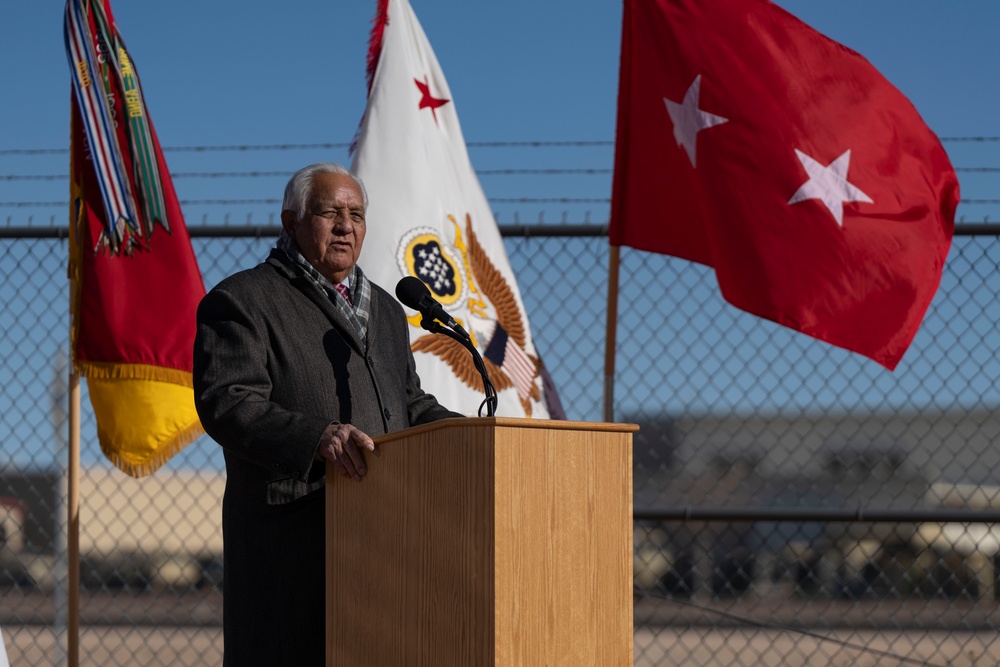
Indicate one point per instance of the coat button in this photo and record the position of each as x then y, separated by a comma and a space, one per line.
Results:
385, 413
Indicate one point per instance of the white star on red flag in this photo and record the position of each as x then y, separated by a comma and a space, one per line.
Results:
689, 120
829, 185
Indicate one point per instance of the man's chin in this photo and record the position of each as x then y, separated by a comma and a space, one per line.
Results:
340, 268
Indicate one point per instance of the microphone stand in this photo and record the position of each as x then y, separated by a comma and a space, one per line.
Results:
491, 393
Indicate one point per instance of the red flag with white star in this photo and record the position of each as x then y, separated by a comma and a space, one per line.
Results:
749, 142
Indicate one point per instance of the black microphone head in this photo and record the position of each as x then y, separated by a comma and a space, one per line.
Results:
412, 292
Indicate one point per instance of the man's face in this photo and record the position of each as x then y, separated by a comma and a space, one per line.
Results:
332, 228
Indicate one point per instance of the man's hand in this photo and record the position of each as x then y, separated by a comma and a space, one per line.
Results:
341, 444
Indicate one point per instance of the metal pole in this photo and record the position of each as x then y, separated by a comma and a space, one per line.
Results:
73, 515
610, 335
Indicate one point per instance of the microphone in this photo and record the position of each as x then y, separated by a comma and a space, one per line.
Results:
412, 292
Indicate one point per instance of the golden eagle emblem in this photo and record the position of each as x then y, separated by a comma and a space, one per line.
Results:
495, 320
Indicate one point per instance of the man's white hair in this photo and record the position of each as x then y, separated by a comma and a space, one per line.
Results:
300, 186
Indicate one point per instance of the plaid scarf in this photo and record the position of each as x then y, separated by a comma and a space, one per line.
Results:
358, 286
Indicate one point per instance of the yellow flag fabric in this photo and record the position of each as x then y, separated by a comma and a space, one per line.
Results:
141, 424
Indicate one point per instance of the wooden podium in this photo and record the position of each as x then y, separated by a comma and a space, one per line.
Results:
488, 541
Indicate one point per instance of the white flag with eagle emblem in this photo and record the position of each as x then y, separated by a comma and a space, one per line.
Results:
428, 217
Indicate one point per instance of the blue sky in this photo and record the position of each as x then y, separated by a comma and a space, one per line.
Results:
226, 73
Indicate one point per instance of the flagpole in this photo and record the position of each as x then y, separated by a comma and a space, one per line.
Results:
73, 510
73, 527
611, 334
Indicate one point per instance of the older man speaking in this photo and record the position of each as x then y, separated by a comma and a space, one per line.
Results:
296, 362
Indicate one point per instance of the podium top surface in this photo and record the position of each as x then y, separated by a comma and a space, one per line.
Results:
507, 422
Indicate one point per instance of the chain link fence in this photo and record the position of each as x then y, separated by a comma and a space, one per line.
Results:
795, 504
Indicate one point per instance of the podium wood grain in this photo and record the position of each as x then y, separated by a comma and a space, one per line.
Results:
486, 541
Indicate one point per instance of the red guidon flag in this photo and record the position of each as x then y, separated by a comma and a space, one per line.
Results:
137, 283
749, 142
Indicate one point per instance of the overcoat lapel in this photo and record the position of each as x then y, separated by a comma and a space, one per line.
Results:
319, 297
344, 327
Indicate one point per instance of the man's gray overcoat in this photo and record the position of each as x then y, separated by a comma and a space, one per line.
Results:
275, 363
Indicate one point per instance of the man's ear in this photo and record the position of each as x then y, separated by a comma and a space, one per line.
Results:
288, 220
